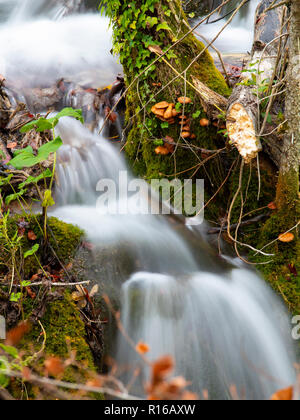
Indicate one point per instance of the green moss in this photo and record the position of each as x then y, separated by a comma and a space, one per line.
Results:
282, 270
64, 328
65, 332
135, 56
63, 238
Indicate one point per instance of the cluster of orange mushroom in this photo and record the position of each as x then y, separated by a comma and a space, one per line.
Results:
167, 112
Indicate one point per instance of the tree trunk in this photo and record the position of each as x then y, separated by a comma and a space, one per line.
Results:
162, 24
288, 185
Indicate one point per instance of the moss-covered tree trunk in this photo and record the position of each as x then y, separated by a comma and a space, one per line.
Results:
284, 270
288, 185
138, 25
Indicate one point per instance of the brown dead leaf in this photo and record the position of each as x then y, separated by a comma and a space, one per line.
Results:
31, 236
12, 145
54, 366
283, 395
15, 335
272, 206
155, 49
142, 348
162, 368
286, 237
94, 383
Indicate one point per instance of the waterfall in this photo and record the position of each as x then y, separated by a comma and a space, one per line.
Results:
222, 324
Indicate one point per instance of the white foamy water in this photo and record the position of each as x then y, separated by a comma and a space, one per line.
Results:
223, 325
238, 36
37, 50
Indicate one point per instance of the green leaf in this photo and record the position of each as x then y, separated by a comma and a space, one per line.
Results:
42, 124
24, 160
48, 200
34, 180
48, 148
161, 26
11, 351
70, 112
196, 114
25, 283
15, 297
13, 197
5, 180
32, 251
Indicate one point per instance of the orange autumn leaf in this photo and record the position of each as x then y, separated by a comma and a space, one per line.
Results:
162, 368
283, 395
12, 145
272, 206
94, 383
15, 335
54, 366
31, 236
286, 237
142, 348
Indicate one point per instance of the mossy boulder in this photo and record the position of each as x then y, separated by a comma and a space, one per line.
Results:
64, 240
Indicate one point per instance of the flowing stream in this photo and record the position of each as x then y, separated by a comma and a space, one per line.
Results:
221, 322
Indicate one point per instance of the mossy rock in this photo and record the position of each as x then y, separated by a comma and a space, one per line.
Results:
65, 332
64, 239
283, 270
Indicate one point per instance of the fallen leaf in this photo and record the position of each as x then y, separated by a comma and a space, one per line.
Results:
272, 206
30, 293
155, 49
31, 236
286, 237
12, 145
142, 348
162, 368
54, 366
95, 383
283, 395
15, 335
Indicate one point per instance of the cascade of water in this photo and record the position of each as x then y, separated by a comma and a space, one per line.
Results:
238, 37
222, 328
37, 50
222, 324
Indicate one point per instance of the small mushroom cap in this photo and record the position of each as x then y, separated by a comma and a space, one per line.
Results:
204, 122
186, 128
193, 136
161, 150
184, 100
158, 112
168, 113
162, 105
286, 237
185, 134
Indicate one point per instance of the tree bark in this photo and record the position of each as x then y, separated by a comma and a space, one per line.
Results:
242, 122
144, 129
288, 184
